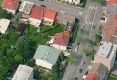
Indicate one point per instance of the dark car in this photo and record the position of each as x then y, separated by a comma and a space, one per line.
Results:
43, 5
41, 0
80, 70
102, 18
93, 27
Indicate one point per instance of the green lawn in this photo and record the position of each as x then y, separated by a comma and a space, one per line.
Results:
112, 77
1, 1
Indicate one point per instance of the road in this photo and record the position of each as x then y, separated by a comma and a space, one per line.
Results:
90, 16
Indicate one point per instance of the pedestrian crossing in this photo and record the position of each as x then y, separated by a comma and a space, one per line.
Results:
92, 7
88, 22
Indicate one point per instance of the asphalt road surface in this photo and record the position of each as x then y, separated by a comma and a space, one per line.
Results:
90, 16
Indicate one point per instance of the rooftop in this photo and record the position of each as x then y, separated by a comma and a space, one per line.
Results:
48, 13
47, 53
99, 68
106, 50
4, 23
11, 4
93, 76
61, 39
37, 12
22, 73
26, 7
111, 1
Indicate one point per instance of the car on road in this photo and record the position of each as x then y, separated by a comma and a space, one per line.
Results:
83, 25
83, 63
80, 70
94, 27
43, 6
63, 12
76, 49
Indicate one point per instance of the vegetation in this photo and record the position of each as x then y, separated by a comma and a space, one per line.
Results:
92, 54
5, 14
21, 27
86, 51
112, 77
1, 2
72, 57
100, 30
98, 39
99, 1
89, 41
82, 3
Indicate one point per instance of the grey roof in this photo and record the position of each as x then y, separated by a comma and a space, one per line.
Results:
23, 73
47, 53
26, 7
99, 68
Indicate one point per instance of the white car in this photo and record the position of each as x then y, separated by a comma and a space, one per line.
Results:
76, 48
63, 12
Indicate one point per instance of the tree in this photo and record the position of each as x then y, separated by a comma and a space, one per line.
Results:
21, 27
18, 58
86, 51
79, 38
89, 41
55, 68
81, 30
99, 1
72, 57
98, 38
61, 56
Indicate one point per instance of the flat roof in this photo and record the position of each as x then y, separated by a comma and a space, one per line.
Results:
104, 49
107, 50
23, 72
26, 7
47, 53
4, 23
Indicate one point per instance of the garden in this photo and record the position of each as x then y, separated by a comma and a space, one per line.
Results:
112, 77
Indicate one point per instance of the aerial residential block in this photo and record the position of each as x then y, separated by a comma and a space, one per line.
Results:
106, 54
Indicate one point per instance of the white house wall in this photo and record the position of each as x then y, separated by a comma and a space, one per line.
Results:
43, 63
46, 19
11, 11
2, 31
35, 22
59, 47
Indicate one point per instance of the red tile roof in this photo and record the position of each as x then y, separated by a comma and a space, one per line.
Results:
110, 30
111, 1
61, 39
37, 12
11, 4
50, 14
93, 76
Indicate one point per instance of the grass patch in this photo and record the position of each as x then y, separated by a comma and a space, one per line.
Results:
100, 29
82, 3
45, 28
1, 1
112, 77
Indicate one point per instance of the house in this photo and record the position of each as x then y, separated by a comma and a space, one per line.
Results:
97, 72
110, 29
73, 1
4, 23
36, 15
23, 72
61, 41
93, 76
46, 56
11, 5
111, 1
25, 8
106, 54
49, 16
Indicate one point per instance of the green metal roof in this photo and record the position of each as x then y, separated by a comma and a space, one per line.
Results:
47, 53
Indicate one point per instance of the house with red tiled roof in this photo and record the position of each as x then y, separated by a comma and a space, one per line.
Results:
36, 15
110, 29
111, 1
11, 5
93, 76
61, 41
49, 16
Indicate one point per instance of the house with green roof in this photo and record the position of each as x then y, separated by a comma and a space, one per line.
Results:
46, 56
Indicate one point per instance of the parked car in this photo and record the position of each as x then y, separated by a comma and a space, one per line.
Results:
76, 49
63, 12
94, 27
83, 25
80, 70
83, 63
43, 5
